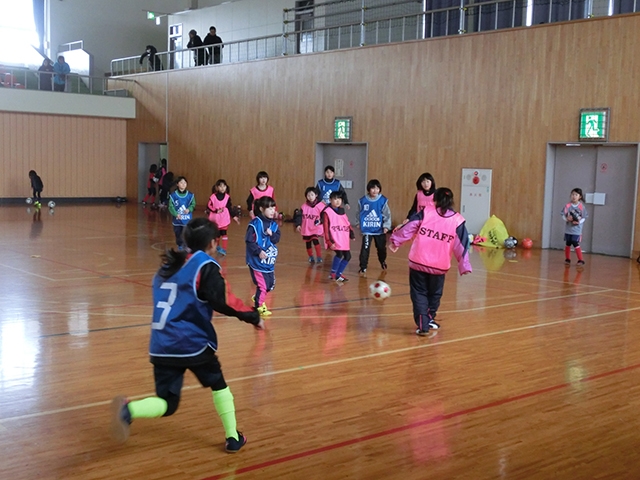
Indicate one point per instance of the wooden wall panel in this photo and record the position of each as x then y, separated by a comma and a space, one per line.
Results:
75, 156
149, 126
490, 100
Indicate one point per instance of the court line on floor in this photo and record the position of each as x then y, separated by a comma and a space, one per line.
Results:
298, 317
413, 425
338, 362
27, 272
538, 279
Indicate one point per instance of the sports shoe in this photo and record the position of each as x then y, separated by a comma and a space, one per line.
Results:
318, 259
422, 333
362, 271
221, 250
434, 325
233, 446
567, 261
342, 279
580, 262
312, 260
263, 311
332, 276
383, 265
120, 419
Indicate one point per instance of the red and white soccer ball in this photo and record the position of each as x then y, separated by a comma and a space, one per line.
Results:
379, 290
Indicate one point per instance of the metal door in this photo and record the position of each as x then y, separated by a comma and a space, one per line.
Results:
574, 167
607, 175
350, 162
613, 221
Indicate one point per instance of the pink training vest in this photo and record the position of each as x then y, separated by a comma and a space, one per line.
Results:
311, 215
434, 241
218, 211
268, 192
339, 228
424, 201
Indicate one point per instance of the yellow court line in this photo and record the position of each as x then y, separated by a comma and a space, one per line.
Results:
335, 362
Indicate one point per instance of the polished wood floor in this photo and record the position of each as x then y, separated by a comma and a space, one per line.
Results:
535, 373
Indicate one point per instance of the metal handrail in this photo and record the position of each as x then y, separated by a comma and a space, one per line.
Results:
230, 52
21, 78
459, 19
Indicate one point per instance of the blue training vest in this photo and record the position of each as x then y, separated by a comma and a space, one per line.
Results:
371, 215
181, 204
181, 325
327, 187
264, 241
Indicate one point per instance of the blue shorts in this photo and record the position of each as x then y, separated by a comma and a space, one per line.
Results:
572, 240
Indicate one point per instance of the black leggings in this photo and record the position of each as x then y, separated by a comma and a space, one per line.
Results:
344, 254
314, 241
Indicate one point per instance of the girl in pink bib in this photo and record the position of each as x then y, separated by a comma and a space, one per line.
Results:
337, 235
308, 223
221, 211
262, 189
426, 186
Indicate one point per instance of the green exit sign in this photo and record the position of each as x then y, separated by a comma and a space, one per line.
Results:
151, 15
594, 125
342, 129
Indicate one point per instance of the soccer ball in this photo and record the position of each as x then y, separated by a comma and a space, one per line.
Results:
379, 290
51, 204
29, 200
510, 242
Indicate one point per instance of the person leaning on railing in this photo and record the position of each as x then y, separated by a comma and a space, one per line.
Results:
61, 69
46, 72
155, 64
213, 53
194, 42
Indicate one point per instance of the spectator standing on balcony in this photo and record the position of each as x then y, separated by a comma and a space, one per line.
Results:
61, 69
213, 53
155, 64
45, 77
194, 42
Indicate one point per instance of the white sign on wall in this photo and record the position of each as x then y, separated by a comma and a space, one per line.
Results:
475, 197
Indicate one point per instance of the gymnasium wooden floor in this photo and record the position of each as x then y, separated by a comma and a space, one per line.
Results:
533, 375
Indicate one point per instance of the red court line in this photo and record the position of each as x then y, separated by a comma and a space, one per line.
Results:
410, 426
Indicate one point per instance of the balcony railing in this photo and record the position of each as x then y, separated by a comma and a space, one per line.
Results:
375, 26
22, 78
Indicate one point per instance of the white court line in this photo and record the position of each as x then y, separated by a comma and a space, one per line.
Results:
539, 279
278, 317
473, 309
336, 362
27, 272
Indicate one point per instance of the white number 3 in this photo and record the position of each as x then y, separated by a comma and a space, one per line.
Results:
166, 306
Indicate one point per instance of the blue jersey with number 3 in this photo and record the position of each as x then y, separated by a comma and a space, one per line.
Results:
181, 325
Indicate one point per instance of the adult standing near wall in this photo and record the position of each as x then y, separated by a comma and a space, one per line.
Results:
61, 69
194, 42
214, 54
46, 72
